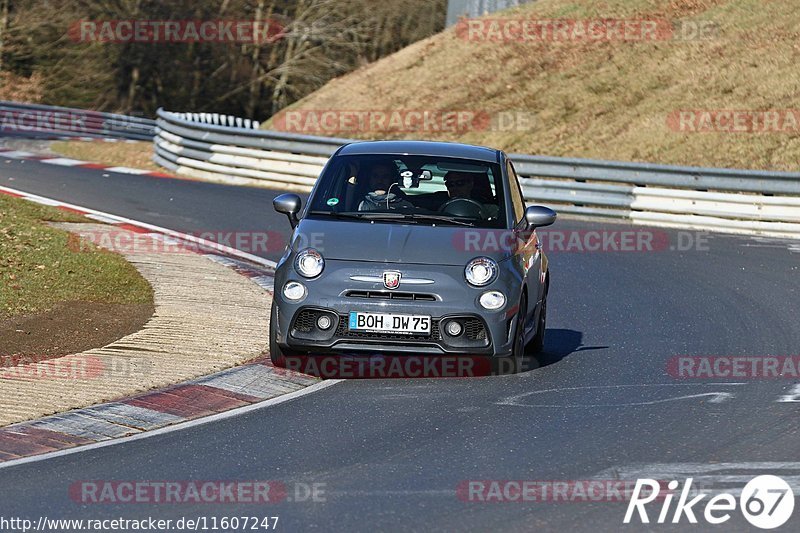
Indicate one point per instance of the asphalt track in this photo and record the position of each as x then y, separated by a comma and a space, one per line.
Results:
392, 453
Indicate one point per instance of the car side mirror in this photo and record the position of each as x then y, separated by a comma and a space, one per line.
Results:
539, 216
288, 204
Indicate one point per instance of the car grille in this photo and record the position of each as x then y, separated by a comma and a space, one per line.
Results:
344, 332
474, 329
305, 321
391, 295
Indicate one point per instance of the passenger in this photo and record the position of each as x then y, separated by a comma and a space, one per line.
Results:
384, 190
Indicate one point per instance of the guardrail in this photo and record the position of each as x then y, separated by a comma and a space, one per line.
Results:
737, 201
41, 120
240, 155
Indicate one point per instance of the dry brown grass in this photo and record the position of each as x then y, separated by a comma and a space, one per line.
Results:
608, 100
118, 154
19, 88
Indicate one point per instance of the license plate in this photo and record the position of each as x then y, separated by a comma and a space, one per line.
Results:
390, 323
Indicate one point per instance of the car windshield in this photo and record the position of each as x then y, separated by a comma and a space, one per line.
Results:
418, 189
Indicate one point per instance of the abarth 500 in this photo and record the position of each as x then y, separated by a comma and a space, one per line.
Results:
411, 247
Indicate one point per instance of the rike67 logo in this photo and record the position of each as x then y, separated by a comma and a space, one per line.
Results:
767, 502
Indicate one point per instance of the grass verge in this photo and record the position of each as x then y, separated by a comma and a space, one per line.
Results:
39, 270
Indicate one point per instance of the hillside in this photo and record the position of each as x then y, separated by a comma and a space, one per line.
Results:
737, 85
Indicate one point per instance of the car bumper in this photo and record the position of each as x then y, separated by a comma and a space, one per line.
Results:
445, 296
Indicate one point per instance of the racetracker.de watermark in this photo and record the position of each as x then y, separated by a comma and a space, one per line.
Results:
580, 241
552, 491
72, 367
68, 122
785, 121
176, 31
126, 241
386, 366
352, 122
734, 367
531, 30
177, 492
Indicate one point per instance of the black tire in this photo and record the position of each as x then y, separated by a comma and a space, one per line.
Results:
536, 345
275, 353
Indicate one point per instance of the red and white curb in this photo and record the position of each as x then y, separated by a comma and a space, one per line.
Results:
223, 394
77, 163
246, 385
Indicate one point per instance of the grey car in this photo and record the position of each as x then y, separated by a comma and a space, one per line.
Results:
412, 248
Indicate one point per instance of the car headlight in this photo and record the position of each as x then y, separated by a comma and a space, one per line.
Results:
309, 263
294, 291
481, 271
492, 300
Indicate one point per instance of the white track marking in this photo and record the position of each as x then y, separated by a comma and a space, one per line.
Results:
126, 170
709, 478
16, 154
793, 396
102, 218
714, 397
45, 201
122, 220
177, 427
63, 161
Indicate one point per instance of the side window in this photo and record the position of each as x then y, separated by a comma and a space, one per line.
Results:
334, 185
517, 201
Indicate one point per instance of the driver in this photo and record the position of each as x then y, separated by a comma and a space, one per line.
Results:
384, 191
462, 185
459, 184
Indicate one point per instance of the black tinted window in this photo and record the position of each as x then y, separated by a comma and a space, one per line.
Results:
423, 185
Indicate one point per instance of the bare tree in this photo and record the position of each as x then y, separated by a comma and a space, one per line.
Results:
320, 39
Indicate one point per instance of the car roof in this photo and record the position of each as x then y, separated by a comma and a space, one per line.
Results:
431, 148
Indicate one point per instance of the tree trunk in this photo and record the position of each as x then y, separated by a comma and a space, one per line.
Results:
252, 101
3, 28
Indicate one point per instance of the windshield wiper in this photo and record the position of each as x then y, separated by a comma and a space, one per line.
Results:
439, 218
359, 214
380, 215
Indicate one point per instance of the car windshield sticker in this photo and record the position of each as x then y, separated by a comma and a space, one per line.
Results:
333, 201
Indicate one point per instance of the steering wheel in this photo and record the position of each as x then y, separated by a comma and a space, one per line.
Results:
462, 207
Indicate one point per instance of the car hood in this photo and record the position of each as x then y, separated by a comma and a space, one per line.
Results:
400, 243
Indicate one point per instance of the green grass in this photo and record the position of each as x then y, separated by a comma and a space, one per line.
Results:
39, 269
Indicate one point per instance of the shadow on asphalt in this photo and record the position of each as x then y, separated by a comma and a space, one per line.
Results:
560, 343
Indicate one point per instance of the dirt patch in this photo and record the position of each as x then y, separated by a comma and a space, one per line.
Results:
68, 328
